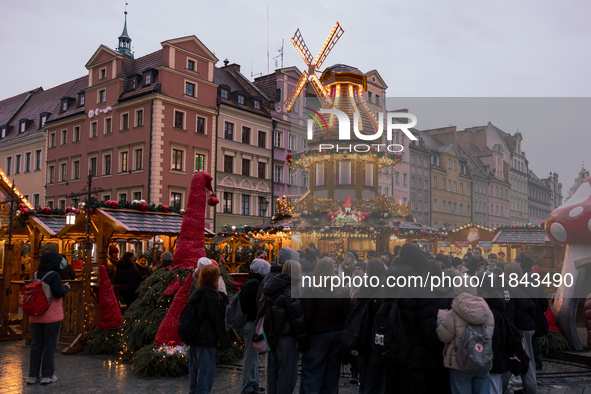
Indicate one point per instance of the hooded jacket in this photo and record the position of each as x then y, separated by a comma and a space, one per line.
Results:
499, 338
50, 263
284, 315
451, 324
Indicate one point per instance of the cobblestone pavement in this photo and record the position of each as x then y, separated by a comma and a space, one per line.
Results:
97, 374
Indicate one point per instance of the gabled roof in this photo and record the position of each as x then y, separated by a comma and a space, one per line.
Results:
9, 106
521, 237
233, 79
176, 41
99, 51
72, 89
379, 77
138, 67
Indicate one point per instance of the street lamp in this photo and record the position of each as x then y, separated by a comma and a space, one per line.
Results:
70, 218
264, 207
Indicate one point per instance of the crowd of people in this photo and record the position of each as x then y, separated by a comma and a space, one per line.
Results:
311, 321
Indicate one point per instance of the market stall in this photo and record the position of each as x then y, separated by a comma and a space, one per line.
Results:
470, 236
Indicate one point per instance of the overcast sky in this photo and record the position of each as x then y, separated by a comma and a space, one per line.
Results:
531, 48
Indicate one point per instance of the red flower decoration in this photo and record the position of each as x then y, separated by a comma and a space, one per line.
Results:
165, 208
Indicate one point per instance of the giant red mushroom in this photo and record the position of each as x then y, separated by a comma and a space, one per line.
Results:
570, 225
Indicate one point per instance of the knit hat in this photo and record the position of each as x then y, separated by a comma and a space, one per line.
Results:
191, 242
203, 261
360, 264
166, 256
260, 266
113, 249
285, 254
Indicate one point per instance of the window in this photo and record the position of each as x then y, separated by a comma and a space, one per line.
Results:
50, 204
228, 164
38, 160
123, 161
50, 174
139, 158
369, 97
449, 186
262, 169
199, 162
28, 162
462, 209
455, 165
461, 188
449, 207
17, 168
344, 172
106, 197
94, 130
190, 64
108, 129
63, 172
412, 159
257, 104
228, 202
42, 121
137, 195
75, 169
292, 142
22, 126
378, 100
123, 197
246, 135
434, 205
397, 177
262, 139
434, 182
64, 106
412, 204
102, 96
139, 118
103, 73
278, 138
245, 167
278, 174
412, 181
449, 164
468, 189
176, 200
36, 200
177, 159
240, 99
52, 140
304, 143
229, 131
179, 120
225, 93
404, 179
190, 89
455, 186
426, 184
291, 176
3, 131
8, 165
200, 125
76, 134
245, 204
419, 205
107, 164
419, 183
369, 174
81, 99
147, 79
125, 121
387, 191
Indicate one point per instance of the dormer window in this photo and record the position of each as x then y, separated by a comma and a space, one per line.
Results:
241, 99
22, 127
133, 83
147, 79
225, 93
257, 104
190, 64
103, 73
43, 119
81, 99
3, 132
64, 105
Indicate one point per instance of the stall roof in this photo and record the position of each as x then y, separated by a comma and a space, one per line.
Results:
51, 224
521, 237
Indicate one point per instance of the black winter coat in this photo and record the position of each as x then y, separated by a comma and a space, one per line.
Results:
284, 315
497, 307
53, 280
325, 314
525, 310
211, 307
248, 296
127, 274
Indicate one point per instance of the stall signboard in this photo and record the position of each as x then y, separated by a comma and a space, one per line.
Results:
462, 244
485, 244
443, 244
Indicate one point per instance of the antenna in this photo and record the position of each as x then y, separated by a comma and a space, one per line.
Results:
280, 50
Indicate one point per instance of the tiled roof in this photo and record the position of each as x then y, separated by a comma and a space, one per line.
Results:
267, 84
73, 88
138, 66
343, 68
52, 223
9, 106
521, 237
140, 222
151, 60
237, 82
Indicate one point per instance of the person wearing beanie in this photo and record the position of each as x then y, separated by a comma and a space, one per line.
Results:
141, 265
259, 268
46, 328
166, 260
202, 262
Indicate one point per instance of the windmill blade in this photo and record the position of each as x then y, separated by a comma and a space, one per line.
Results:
335, 34
298, 42
320, 91
290, 101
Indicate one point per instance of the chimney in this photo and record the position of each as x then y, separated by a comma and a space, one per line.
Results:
226, 61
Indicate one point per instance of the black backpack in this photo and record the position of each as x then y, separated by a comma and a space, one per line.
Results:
516, 360
356, 331
390, 341
188, 329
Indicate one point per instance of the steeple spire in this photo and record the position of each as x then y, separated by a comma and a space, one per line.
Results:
124, 47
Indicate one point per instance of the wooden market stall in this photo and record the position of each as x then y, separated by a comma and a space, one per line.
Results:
470, 235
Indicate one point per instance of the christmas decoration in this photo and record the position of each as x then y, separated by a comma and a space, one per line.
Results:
110, 314
172, 288
168, 330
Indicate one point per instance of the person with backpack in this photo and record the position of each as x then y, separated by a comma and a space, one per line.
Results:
259, 268
325, 312
46, 327
285, 327
210, 306
467, 331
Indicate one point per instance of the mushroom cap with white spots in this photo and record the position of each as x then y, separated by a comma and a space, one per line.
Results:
570, 223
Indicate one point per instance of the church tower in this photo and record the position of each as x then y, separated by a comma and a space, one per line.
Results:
124, 46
